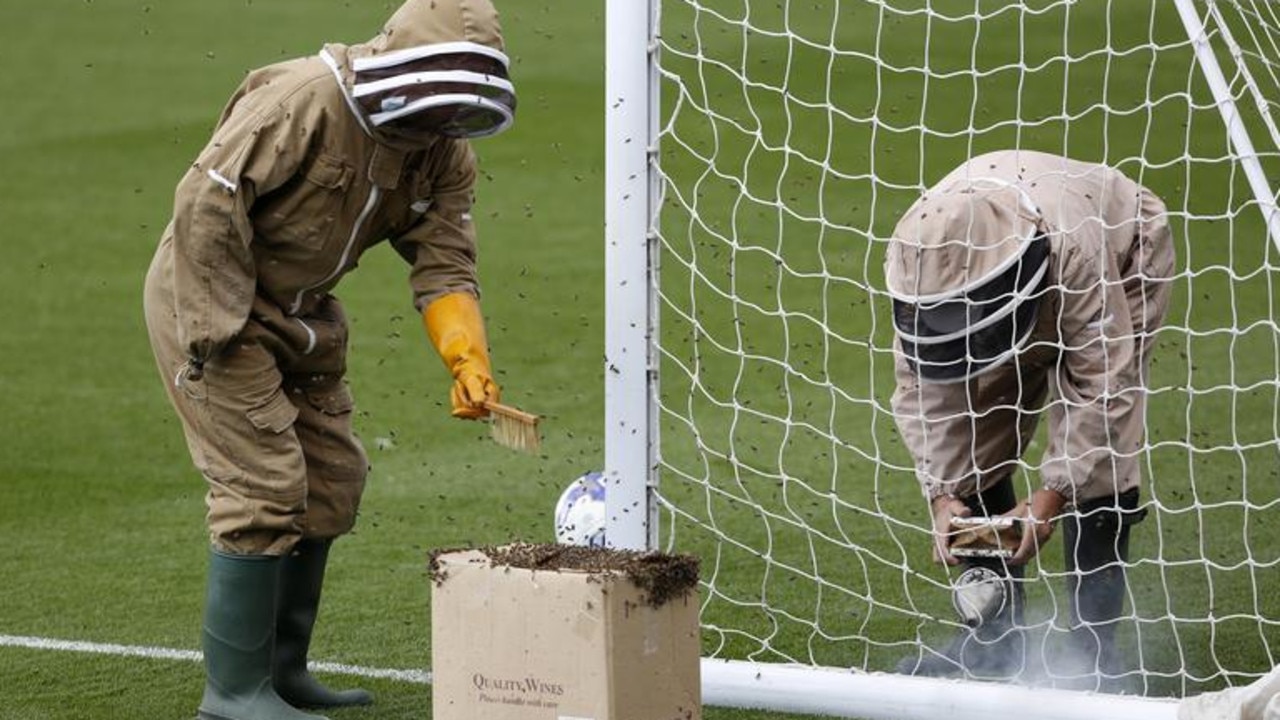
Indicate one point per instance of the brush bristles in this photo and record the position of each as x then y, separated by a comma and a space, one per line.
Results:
512, 428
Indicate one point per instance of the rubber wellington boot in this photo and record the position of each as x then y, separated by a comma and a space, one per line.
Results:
1095, 549
238, 637
301, 578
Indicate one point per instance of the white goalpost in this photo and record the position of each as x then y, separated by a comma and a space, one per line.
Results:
759, 152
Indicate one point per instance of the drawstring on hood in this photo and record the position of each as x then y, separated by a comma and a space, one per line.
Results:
437, 69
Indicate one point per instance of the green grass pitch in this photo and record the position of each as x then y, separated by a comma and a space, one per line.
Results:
101, 513
788, 155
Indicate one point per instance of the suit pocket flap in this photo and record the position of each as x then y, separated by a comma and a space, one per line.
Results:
276, 415
328, 172
332, 402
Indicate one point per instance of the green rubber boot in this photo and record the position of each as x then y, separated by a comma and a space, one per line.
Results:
238, 638
301, 578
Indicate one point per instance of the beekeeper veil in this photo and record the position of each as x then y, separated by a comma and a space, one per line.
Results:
437, 69
966, 267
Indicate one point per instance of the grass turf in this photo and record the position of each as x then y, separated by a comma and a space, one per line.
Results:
100, 511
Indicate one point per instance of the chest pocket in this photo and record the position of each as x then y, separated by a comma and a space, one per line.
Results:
411, 201
306, 210
422, 199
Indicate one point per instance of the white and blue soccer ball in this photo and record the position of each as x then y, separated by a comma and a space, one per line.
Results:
580, 512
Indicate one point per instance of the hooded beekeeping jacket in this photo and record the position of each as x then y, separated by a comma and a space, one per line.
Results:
1110, 260
297, 183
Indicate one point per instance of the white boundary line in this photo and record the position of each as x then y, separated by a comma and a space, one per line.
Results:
844, 694
421, 677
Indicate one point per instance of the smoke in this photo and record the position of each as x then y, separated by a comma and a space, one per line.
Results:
1066, 659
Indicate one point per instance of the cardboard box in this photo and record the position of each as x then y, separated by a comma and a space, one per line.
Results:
569, 643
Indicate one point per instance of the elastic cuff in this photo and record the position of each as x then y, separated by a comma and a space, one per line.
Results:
1063, 488
422, 301
933, 492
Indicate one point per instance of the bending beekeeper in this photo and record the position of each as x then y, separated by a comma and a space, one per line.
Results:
1027, 284
313, 162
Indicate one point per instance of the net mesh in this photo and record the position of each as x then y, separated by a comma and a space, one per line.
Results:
793, 134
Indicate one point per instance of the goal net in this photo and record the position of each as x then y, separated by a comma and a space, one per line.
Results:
785, 139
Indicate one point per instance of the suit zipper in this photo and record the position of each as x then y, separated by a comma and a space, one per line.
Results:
375, 194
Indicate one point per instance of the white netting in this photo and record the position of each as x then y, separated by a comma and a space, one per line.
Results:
793, 135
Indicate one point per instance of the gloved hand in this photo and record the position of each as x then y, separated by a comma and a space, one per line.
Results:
456, 329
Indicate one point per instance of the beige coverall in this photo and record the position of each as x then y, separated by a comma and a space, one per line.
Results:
1110, 265
292, 188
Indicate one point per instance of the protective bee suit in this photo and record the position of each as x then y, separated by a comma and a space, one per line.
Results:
1028, 284
313, 162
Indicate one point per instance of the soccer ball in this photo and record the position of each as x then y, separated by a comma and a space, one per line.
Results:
580, 512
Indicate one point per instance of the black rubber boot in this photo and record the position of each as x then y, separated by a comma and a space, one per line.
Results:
995, 648
301, 579
238, 637
1095, 543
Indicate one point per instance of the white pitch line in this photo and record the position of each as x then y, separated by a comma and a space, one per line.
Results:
421, 677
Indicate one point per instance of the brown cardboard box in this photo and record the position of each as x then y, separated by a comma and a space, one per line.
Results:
558, 644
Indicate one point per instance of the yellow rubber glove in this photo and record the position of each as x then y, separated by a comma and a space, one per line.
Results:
456, 329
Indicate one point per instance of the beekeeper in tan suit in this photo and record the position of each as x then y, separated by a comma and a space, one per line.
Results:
1027, 284
313, 162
